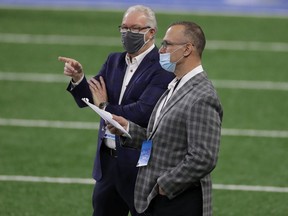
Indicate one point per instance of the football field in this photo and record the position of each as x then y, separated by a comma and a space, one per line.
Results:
47, 143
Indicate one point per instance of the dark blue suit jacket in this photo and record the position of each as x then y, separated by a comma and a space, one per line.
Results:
143, 91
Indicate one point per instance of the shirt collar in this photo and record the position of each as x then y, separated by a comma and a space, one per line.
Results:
138, 59
187, 76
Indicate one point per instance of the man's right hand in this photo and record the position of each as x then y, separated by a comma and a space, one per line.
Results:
122, 121
72, 68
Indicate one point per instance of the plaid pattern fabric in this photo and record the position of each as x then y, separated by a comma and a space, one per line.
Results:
185, 144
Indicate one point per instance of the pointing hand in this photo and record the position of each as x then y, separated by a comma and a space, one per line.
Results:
72, 68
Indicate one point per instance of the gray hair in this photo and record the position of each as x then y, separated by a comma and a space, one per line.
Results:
149, 13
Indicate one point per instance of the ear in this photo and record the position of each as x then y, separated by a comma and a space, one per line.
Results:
189, 48
152, 33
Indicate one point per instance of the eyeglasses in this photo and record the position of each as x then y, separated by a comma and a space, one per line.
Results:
165, 44
133, 29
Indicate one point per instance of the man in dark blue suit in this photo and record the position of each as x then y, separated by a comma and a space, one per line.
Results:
129, 84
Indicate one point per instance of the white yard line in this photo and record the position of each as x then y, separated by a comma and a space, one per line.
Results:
228, 84
247, 46
62, 180
59, 39
115, 41
254, 133
49, 124
34, 77
46, 179
95, 125
251, 188
247, 84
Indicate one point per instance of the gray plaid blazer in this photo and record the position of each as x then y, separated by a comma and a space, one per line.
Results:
185, 144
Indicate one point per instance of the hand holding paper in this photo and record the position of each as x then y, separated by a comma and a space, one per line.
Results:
106, 116
122, 121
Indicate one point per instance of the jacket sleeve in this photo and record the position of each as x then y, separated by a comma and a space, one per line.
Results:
138, 108
138, 135
140, 99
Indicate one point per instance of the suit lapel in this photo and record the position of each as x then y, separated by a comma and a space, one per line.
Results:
153, 114
120, 73
186, 88
146, 63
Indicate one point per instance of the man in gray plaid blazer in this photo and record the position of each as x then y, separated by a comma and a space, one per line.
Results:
183, 134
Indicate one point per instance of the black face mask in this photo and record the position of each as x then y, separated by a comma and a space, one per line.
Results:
133, 42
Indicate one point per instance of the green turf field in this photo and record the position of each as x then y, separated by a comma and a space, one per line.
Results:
33, 102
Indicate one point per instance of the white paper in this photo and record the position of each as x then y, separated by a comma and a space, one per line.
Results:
106, 116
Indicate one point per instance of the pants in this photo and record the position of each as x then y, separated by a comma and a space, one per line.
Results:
113, 195
188, 203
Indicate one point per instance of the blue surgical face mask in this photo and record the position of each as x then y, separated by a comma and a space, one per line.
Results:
166, 63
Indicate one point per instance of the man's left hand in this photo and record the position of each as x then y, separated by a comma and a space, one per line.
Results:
98, 90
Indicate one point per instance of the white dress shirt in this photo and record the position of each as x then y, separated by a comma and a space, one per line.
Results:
132, 66
171, 86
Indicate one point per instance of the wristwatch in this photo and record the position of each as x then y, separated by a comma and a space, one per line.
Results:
103, 105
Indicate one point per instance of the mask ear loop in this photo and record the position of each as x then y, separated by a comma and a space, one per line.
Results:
188, 48
178, 59
145, 42
153, 34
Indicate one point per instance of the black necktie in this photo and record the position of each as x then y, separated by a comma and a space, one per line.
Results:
177, 82
169, 95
